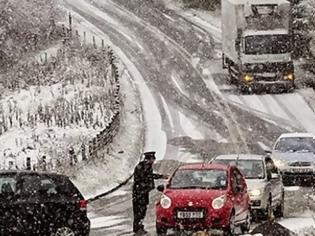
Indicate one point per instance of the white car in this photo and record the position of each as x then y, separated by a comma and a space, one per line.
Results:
293, 153
263, 181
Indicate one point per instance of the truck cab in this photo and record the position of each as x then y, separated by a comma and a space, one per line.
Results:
257, 43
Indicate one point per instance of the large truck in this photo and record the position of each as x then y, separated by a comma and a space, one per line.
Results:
257, 44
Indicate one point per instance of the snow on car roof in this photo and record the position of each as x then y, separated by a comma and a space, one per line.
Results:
241, 157
199, 166
297, 135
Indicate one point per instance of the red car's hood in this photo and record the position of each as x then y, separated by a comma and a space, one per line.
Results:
192, 197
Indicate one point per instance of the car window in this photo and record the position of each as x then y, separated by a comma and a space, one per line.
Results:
48, 185
210, 179
251, 169
7, 184
296, 144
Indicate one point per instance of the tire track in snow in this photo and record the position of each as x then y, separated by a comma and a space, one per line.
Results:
234, 129
298, 112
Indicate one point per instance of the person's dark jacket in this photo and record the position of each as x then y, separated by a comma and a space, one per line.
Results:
144, 179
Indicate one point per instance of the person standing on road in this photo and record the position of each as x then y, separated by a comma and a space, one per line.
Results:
143, 184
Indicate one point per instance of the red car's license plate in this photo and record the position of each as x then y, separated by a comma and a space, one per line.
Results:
189, 214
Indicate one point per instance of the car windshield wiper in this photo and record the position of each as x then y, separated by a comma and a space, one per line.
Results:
303, 150
191, 187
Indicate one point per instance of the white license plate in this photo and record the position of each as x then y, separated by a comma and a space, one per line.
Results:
190, 214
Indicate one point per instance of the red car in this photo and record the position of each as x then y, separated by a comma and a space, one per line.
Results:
202, 197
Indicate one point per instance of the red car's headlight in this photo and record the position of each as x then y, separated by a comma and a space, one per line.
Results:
218, 202
165, 201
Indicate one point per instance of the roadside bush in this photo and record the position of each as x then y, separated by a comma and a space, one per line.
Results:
304, 37
203, 4
23, 26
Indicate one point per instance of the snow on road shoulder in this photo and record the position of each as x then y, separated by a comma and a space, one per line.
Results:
104, 174
207, 20
107, 221
298, 225
189, 128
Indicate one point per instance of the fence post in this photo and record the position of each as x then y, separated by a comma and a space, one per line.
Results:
46, 57
94, 43
103, 45
84, 37
70, 25
90, 149
94, 148
63, 30
83, 153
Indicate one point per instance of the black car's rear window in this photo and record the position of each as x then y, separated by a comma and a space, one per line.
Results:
47, 185
32, 184
7, 184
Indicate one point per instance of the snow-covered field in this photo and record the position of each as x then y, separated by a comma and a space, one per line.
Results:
46, 120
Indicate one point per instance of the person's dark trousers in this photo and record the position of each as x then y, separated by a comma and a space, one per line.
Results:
139, 212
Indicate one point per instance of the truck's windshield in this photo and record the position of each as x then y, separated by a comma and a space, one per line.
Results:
267, 44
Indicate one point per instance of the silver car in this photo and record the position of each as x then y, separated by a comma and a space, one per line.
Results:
263, 180
293, 153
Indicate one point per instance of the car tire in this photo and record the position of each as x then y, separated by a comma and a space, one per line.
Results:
279, 211
245, 227
160, 230
230, 231
64, 231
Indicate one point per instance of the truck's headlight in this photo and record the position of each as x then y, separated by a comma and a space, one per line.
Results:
248, 78
255, 192
289, 76
218, 202
165, 201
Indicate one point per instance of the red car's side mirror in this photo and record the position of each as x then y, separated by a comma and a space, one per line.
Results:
160, 188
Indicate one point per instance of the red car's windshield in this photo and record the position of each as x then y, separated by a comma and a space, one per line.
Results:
204, 179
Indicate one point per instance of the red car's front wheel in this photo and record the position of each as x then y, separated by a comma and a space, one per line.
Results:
161, 230
230, 230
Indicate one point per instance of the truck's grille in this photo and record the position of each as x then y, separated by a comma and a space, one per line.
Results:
300, 163
269, 68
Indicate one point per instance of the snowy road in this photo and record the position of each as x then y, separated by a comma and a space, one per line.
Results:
188, 107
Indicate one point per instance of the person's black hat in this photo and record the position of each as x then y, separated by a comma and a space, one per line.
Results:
149, 155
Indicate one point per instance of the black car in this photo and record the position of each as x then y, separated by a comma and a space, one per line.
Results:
33, 203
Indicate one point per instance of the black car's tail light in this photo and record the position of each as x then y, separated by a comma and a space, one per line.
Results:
83, 205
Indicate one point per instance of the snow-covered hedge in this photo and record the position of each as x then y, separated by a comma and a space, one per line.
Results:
304, 39
204, 4
24, 25
308, 18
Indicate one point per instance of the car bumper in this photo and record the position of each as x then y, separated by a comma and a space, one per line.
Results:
298, 175
269, 85
214, 219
